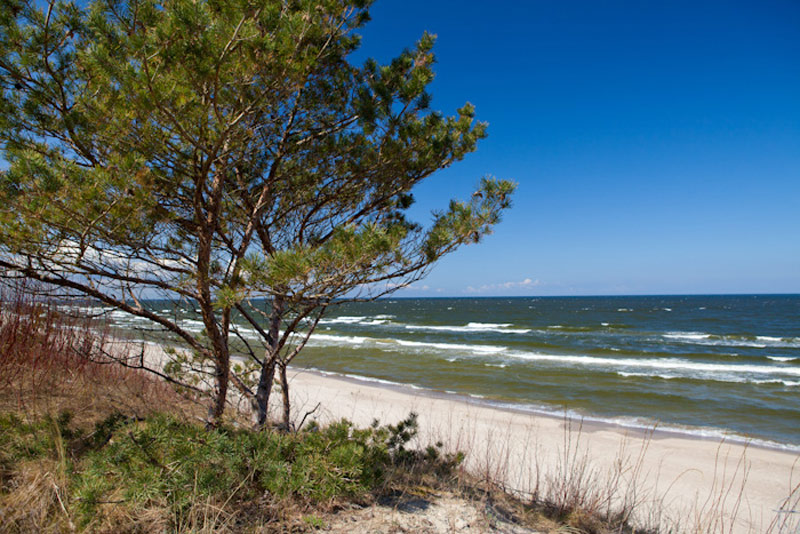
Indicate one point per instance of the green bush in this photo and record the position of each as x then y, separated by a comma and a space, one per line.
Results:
164, 461
167, 464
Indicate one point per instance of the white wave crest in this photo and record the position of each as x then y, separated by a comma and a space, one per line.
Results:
471, 327
759, 342
488, 349
344, 319
673, 364
689, 336
339, 340
361, 340
363, 320
717, 378
647, 375
192, 325
787, 383
244, 331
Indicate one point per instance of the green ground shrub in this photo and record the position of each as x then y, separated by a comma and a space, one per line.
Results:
165, 463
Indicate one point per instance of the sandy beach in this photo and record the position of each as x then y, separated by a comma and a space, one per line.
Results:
703, 485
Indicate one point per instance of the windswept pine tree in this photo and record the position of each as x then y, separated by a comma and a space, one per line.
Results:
227, 154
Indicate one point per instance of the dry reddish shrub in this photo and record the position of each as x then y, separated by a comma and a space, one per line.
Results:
51, 361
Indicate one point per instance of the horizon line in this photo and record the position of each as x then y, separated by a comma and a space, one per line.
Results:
593, 295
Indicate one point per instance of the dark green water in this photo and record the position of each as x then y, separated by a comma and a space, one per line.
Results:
706, 365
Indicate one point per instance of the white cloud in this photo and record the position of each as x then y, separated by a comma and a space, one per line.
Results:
417, 287
527, 283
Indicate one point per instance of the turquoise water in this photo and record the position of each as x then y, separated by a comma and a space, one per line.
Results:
707, 365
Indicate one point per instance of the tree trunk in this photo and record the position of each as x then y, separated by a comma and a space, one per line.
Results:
267, 375
220, 390
261, 402
222, 363
285, 394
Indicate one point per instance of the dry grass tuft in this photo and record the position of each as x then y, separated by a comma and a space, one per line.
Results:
34, 500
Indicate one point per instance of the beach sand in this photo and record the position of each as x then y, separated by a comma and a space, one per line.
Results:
704, 485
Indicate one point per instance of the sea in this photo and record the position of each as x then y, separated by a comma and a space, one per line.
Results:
708, 366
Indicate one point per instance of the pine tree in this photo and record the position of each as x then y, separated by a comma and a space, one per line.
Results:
227, 154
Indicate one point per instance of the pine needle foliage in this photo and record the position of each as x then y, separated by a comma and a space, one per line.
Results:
166, 468
228, 155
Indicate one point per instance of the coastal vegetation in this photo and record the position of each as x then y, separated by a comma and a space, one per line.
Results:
214, 153
72, 457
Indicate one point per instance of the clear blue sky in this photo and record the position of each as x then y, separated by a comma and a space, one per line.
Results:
656, 144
